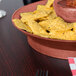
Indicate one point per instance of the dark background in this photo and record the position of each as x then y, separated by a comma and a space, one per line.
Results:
29, 1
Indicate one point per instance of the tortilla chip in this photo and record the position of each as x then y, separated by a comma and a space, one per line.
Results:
21, 25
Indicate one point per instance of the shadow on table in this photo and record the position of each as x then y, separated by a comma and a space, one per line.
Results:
55, 67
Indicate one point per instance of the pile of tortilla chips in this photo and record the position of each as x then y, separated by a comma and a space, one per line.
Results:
45, 23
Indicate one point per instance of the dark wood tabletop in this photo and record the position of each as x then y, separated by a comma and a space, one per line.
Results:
17, 58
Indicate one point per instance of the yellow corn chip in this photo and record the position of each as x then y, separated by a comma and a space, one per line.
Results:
49, 3
74, 26
45, 23
21, 25
36, 28
57, 24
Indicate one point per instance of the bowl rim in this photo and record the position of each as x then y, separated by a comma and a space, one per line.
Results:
32, 35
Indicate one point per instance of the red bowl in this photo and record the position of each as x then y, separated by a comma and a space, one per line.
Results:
50, 47
67, 13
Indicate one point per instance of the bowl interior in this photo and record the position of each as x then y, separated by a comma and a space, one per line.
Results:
29, 8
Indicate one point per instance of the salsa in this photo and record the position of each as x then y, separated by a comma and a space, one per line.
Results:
71, 3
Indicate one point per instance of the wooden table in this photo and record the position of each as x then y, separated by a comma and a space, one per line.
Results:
17, 58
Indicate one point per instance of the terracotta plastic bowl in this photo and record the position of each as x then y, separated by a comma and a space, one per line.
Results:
50, 47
